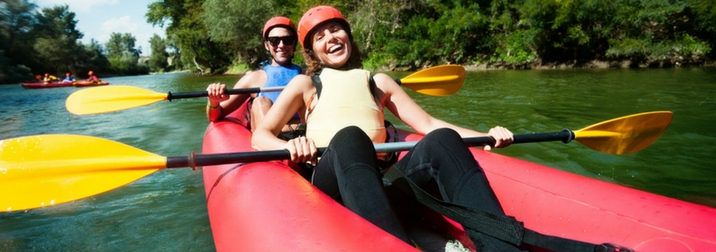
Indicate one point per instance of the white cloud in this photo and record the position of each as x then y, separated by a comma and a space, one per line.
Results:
98, 19
76, 5
120, 25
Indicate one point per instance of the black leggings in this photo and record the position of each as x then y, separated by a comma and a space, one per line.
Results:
348, 173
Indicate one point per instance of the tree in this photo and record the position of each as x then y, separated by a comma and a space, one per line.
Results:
190, 35
57, 38
93, 58
123, 56
16, 20
158, 59
119, 44
238, 24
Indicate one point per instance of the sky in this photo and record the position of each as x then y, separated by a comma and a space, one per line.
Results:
99, 18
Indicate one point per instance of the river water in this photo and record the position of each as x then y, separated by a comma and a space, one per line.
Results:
166, 210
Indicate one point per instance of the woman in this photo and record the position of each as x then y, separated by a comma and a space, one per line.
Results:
343, 107
92, 78
279, 36
347, 170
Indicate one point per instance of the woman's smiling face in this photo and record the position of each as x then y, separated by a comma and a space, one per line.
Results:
331, 44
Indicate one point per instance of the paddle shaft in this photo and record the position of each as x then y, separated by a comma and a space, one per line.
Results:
195, 160
171, 96
184, 95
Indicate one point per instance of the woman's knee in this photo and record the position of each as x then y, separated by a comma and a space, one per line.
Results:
444, 135
352, 145
353, 137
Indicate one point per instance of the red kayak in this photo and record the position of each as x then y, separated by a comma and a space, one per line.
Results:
35, 85
268, 206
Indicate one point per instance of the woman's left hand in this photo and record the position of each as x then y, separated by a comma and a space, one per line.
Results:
503, 137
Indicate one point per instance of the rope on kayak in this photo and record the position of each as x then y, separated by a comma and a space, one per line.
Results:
505, 228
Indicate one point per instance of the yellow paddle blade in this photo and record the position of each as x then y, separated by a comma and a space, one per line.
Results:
436, 81
625, 134
110, 98
45, 170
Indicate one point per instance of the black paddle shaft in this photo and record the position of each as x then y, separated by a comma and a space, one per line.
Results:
566, 136
171, 96
195, 160
182, 95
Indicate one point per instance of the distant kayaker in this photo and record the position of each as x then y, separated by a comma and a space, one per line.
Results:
92, 78
68, 77
48, 78
279, 39
343, 107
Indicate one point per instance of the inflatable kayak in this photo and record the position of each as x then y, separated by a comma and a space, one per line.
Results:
34, 85
269, 206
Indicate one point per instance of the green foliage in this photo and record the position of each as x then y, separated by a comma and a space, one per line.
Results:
515, 49
435, 39
158, 59
682, 47
209, 36
92, 57
127, 64
123, 57
119, 44
238, 24
190, 36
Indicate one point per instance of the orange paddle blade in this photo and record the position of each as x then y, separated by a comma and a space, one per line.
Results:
625, 134
436, 81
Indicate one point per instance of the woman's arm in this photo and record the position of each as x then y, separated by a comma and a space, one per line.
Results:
293, 98
393, 97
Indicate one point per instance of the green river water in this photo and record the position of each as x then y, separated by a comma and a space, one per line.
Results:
166, 211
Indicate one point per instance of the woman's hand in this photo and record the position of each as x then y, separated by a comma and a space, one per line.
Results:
503, 137
302, 150
216, 93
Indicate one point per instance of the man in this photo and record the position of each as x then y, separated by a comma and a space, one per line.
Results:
279, 39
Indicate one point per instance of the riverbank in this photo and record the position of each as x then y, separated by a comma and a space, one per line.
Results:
591, 64
596, 64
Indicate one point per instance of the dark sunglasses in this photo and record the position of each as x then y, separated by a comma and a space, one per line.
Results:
287, 40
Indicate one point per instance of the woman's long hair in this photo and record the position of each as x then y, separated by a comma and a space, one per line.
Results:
314, 65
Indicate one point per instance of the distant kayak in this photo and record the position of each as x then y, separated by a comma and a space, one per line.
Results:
35, 85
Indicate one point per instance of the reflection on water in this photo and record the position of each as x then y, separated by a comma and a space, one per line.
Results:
166, 210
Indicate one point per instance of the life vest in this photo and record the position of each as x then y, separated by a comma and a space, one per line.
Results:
344, 99
278, 76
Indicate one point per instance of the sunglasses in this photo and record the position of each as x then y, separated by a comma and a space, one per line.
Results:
287, 40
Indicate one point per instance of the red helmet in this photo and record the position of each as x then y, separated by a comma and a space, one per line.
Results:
317, 15
277, 21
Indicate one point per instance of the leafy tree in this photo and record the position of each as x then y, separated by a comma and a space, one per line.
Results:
16, 20
119, 44
654, 31
57, 37
123, 56
705, 21
190, 35
436, 32
158, 59
238, 25
93, 58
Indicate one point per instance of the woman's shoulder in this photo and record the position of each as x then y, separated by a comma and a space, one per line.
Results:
384, 82
301, 80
